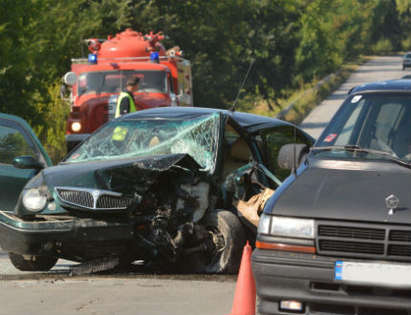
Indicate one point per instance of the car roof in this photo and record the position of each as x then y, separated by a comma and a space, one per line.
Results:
401, 85
250, 122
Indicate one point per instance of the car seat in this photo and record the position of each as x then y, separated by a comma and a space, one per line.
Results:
402, 137
238, 155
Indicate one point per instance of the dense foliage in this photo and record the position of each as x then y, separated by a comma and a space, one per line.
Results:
289, 42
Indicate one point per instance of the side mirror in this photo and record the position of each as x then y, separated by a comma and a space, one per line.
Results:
174, 99
70, 78
291, 155
27, 162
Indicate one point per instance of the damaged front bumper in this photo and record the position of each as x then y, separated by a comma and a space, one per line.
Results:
46, 236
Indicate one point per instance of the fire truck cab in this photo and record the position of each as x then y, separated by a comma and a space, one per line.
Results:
96, 82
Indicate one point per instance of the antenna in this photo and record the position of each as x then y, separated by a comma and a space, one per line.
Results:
242, 84
82, 48
294, 151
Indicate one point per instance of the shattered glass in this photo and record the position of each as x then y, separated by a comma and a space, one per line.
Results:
197, 137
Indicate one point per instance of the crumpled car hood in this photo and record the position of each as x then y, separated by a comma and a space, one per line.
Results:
122, 175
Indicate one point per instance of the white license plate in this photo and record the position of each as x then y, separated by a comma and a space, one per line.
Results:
379, 274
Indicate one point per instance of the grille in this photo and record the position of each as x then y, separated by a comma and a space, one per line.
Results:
371, 241
352, 247
82, 198
400, 236
399, 250
351, 232
92, 198
106, 201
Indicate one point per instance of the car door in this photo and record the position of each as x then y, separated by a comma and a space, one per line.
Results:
16, 139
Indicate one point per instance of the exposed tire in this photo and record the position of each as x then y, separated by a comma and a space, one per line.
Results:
228, 237
32, 263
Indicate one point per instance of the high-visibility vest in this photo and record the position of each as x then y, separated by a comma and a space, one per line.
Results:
119, 133
120, 98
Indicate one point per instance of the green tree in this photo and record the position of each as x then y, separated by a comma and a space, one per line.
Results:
290, 41
386, 24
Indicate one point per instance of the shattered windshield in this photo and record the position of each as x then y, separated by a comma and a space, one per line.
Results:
197, 137
369, 126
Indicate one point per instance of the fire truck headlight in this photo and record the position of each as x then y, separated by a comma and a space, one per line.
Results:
76, 126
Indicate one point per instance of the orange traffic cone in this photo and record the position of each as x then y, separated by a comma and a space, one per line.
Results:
244, 296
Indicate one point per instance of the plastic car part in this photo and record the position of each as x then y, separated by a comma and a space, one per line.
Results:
96, 265
199, 194
32, 263
252, 209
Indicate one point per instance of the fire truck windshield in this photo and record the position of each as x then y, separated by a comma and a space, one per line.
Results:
115, 81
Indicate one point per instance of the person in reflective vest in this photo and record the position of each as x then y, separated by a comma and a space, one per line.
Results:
125, 101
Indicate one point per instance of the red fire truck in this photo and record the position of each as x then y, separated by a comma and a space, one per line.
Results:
96, 82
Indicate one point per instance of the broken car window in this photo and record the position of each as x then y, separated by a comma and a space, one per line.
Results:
13, 144
197, 137
273, 139
237, 152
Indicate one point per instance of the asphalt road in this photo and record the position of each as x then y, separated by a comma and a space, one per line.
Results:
376, 69
58, 293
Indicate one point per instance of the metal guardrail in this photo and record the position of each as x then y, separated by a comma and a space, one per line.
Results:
285, 111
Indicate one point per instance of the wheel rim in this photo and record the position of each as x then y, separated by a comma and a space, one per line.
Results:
215, 246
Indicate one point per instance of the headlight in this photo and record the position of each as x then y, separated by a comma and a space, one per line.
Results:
35, 199
76, 126
286, 227
286, 234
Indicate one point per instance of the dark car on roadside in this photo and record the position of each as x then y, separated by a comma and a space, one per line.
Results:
17, 139
163, 186
335, 238
406, 61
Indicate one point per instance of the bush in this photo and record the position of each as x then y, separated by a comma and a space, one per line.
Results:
383, 46
406, 44
51, 132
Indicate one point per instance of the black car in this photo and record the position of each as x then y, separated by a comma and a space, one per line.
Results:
406, 61
162, 185
335, 238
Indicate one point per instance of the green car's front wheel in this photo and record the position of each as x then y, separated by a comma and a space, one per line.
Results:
224, 245
32, 263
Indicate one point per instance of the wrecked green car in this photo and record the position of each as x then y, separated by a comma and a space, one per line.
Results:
160, 186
